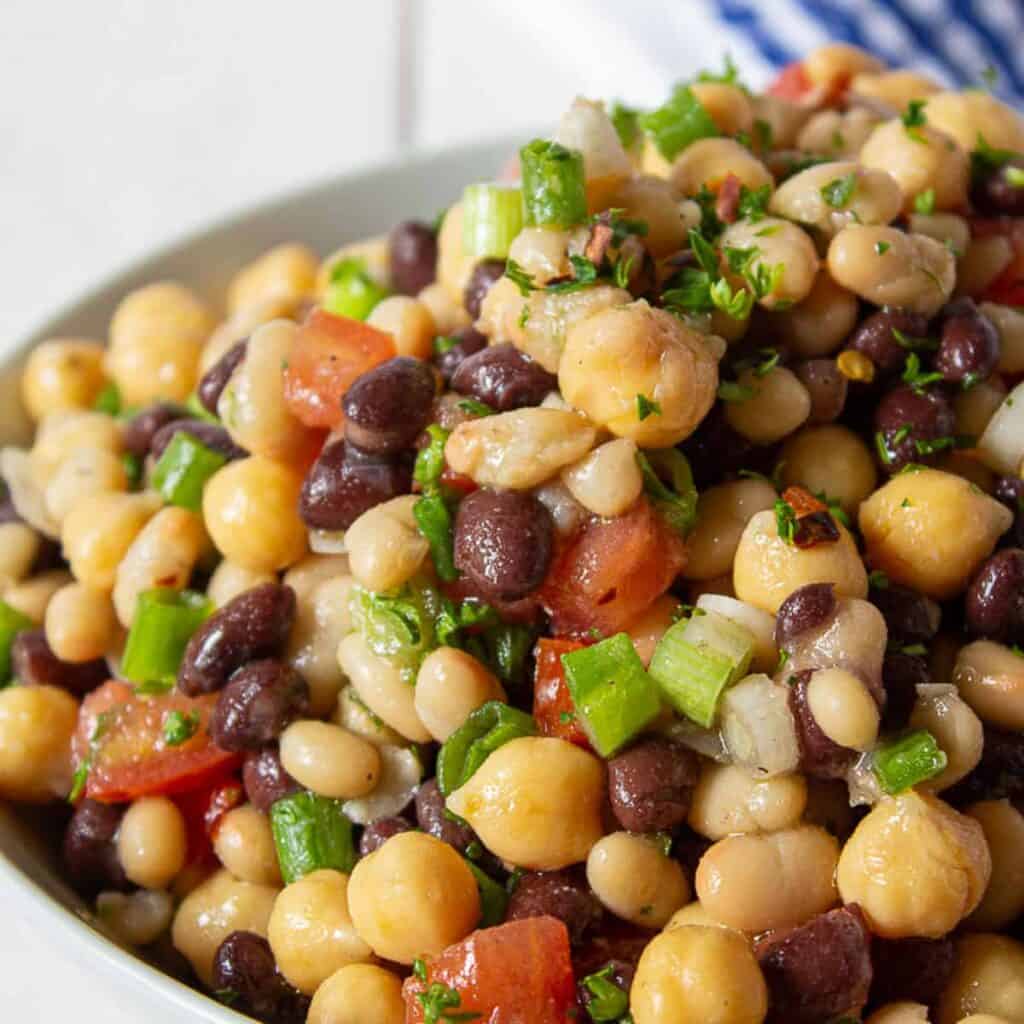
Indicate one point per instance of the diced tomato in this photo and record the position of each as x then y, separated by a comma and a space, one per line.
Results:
516, 973
203, 810
611, 572
458, 481
129, 756
553, 707
329, 353
791, 83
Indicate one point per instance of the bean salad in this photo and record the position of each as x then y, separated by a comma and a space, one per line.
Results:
603, 603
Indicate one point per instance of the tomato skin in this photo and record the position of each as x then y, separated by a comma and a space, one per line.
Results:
516, 973
791, 83
131, 758
330, 352
553, 707
203, 809
611, 572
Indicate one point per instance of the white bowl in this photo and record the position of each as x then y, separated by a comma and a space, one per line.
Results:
324, 216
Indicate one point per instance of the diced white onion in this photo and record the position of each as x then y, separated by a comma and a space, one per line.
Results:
758, 727
586, 126
1002, 443
400, 773
16, 469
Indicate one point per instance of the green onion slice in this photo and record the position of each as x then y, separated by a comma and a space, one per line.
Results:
492, 725
183, 469
553, 185
908, 760
492, 217
310, 833
351, 292
164, 621
12, 622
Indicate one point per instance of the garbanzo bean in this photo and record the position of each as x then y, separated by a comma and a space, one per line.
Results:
151, 842
894, 88
832, 65
958, 732
36, 725
698, 973
778, 404
830, 459
413, 897
65, 373
890, 268
984, 259
449, 316
374, 254
245, 846
655, 202
837, 134
284, 275
358, 994
819, 324
535, 803
409, 322
608, 480
709, 161
783, 250
19, 548
311, 930
156, 335
784, 117
728, 106
843, 708
973, 112
1003, 901
693, 913
722, 514
80, 623
32, 596
767, 569
385, 544
988, 982
950, 229
915, 866
900, 1013
1009, 322
728, 800
212, 911
449, 686
618, 354
931, 530
250, 508
976, 406
329, 760
85, 471
990, 677
634, 879
775, 880
230, 579
61, 434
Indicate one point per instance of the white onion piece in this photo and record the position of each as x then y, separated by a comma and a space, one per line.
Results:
327, 542
16, 469
568, 514
862, 782
758, 727
756, 621
585, 126
707, 742
1002, 443
933, 691
400, 773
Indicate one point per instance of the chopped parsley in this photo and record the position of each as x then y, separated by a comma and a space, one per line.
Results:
916, 377
607, 1001
753, 204
730, 75
646, 407
882, 248
440, 1002
911, 343
878, 579
444, 343
986, 158
621, 271
785, 520
763, 134
771, 360
924, 202
519, 277
179, 727
474, 407
914, 120
733, 391
81, 776
838, 192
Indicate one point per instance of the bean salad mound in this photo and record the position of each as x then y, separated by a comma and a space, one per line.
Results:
603, 604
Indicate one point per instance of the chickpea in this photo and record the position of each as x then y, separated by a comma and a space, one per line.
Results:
635, 880
783, 250
98, 532
608, 480
775, 880
61, 434
837, 134
85, 471
975, 407
830, 459
230, 579
32, 597
698, 973
973, 112
655, 202
832, 65
244, 844
893, 88
889, 268
1003, 901
380, 686
137, 918
19, 548
230, 332
819, 324
843, 708
156, 336
543, 252
759, 624
723, 512
957, 731
330, 760
80, 623
250, 508
874, 199
767, 569
709, 161
984, 259
1009, 322
284, 275
900, 1013
728, 800
777, 405
693, 913
36, 726
454, 264
950, 229
212, 911
409, 322
535, 802
358, 994
728, 106
385, 544
65, 373
618, 354
988, 982
449, 316
449, 686
413, 897
915, 866
151, 842
990, 677
931, 530
374, 254
252, 405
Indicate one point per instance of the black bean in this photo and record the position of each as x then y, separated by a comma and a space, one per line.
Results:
992, 192
244, 966
34, 664
413, 256
819, 970
433, 817
265, 779
215, 380
469, 340
253, 625
910, 617
504, 378
344, 482
387, 407
994, 603
915, 425
911, 970
612, 940
213, 435
485, 273
819, 755
503, 542
901, 675
826, 386
378, 832
90, 847
1010, 491
8, 513
969, 346
259, 702
562, 894
139, 431
714, 450
874, 337
808, 607
651, 785
998, 776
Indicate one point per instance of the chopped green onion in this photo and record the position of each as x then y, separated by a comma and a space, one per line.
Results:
351, 292
676, 503
198, 411
626, 122
311, 832
908, 760
681, 121
182, 471
180, 727
434, 520
492, 216
924, 202
697, 659
12, 622
164, 621
838, 192
489, 727
493, 898
430, 460
108, 400
607, 1001
133, 470
553, 190
454, 618
615, 698
507, 648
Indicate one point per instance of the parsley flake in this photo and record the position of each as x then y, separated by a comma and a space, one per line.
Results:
838, 192
917, 378
924, 202
878, 579
785, 520
882, 248
733, 391
914, 120
179, 727
646, 407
